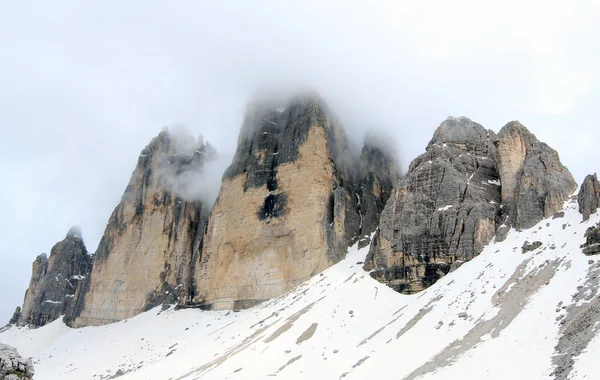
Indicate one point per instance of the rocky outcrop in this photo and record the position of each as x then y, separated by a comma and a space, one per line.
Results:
55, 280
13, 366
469, 186
15, 317
444, 211
592, 241
535, 184
589, 196
528, 247
145, 256
290, 204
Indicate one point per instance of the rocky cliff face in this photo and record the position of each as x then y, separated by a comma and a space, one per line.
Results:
378, 175
15, 317
292, 201
444, 211
55, 280
589, 196
145, 256
468, 186
534, 182
289, 206
13, 366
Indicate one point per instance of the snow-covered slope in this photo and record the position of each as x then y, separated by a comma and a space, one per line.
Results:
504, 315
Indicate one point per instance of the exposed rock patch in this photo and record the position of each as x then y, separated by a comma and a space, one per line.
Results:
306, 335
589, 196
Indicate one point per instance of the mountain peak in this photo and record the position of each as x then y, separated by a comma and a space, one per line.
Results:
74, 233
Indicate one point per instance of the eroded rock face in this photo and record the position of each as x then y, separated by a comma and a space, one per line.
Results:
589, 196
55, 280
535, 184
13, 366
445, 210
289, 206
145, 256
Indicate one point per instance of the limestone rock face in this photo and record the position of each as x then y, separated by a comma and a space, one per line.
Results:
378, 175
534, 182
54, 281
13, 366
589, 196
443, 211
145, 256
288, 207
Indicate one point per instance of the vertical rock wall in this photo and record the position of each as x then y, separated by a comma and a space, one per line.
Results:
534, 182
289, 205
144, 258
378, 175
444, 211
54, 281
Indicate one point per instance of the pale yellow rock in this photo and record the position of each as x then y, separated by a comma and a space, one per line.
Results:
246, 260
512, 150
145, 253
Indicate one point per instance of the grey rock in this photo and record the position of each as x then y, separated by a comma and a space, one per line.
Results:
363, 242
55, 280
579, 325
502, 232
12, 365
455, 265
535, 184
528, 247
592, 241
589, 196
16, 316
445, 210
377, 177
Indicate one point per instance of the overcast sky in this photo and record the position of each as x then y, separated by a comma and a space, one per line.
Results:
85, 85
